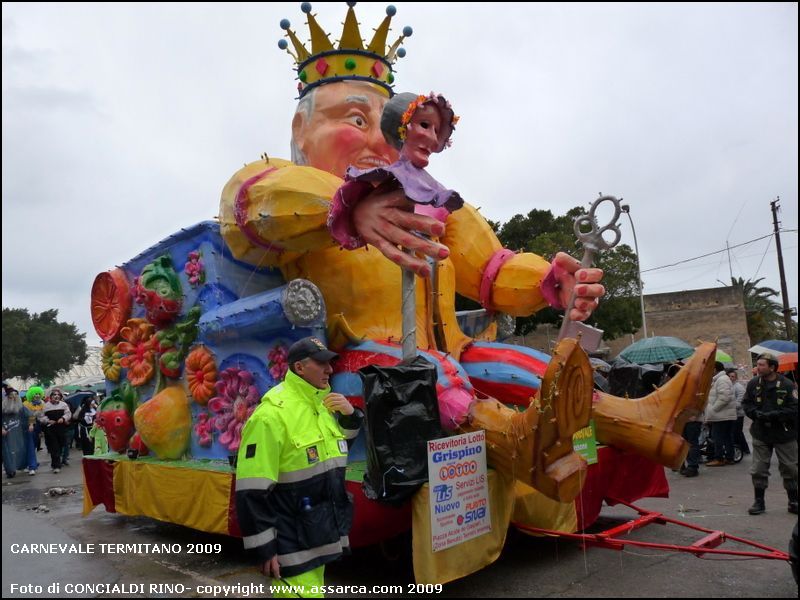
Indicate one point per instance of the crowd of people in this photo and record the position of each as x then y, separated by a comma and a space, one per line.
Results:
769, 400
60, 421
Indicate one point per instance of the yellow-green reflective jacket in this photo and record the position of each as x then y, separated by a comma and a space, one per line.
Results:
290, 492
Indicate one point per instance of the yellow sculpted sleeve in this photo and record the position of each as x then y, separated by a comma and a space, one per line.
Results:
272, 210
476, 252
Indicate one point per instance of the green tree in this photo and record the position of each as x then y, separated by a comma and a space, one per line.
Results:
38, 346
544, 234
764, 314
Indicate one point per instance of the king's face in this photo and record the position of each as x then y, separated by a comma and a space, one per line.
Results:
344, 129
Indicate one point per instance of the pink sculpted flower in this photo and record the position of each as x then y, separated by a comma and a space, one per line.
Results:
278, 364
235, 401
194, 268
203, 430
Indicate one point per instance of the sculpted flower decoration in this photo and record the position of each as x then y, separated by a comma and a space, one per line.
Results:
203, 430
236, 400
138, 350
278, 364
195, 269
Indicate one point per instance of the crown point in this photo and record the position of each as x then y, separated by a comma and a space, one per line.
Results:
391, 10
306, 7
285, 24
407, 30
283, 44
401, 52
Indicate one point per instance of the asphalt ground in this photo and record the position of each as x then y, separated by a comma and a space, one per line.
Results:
529, 567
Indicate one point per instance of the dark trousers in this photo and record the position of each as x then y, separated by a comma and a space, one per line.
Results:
722, 434
738, 436
691, 433
69, 436
86, 443
55, 436
30, 449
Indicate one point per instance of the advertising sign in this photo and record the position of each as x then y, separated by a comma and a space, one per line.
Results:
459, 489
585, 443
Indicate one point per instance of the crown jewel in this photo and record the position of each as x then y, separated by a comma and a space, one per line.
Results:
350, 58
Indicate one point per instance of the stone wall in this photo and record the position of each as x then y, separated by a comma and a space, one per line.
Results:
697, 316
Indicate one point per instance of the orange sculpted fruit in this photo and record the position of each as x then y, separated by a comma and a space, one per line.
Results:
111, 303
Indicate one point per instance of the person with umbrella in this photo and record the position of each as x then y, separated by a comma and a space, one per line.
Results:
771, 402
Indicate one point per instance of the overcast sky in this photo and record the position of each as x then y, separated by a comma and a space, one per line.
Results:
122, 123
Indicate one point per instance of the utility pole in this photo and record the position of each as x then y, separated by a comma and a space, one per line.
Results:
787, 312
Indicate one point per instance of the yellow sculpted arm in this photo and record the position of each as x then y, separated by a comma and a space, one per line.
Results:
271, 211
510, 281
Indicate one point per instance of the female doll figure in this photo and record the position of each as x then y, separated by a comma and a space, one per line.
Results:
417, 126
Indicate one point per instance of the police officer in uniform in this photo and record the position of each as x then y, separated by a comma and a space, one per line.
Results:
291, 502
770, 400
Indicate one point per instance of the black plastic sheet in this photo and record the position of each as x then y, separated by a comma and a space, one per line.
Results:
402, 415
632, 380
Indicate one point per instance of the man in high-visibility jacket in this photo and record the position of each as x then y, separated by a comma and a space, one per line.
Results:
291, 502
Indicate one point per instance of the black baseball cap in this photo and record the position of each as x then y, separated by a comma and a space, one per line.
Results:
309, 347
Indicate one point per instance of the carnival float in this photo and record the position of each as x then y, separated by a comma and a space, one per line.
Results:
196, 329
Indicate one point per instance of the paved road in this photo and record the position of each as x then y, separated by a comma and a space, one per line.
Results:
529, 567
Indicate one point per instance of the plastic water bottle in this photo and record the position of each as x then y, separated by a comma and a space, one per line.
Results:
305, 504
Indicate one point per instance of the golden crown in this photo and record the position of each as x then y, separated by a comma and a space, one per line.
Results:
351, 59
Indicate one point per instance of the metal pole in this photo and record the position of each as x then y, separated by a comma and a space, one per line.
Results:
409, 313
627, 210
787, 312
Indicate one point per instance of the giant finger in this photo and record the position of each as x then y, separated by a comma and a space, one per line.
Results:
400, 237
589, 275
407, 261
421, 223
590, 291
567, 262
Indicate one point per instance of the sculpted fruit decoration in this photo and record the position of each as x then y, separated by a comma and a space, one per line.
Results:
173, 344
114, 416
165, 423
110, 361
158, 289
110, 303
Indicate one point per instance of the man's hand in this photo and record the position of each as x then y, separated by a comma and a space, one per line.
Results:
338, 403
386, 220
585, 282
271, 568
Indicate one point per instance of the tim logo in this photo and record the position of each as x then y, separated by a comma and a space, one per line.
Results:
443, 492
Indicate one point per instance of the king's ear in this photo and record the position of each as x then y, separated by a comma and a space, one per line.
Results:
298, 128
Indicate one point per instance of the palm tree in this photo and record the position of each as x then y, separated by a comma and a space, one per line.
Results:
764, 315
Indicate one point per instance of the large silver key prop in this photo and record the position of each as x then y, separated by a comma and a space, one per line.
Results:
593, 242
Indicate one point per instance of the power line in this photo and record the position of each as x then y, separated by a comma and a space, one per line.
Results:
769, 243
680, 262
